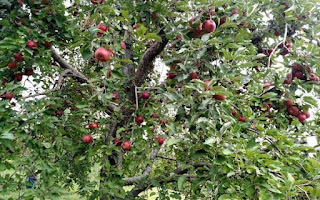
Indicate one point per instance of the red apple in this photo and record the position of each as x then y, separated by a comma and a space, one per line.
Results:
194, 75
126, 145
307, 114
97, 1
209, 26
20, 3
13, 103
302, 118
145, 95
117, 141
171, 75
153, 16
154, 115
299, 75
219, 97
164, 122
276, 33
93, 125
60, 112
47, 44
29, 72
12, 65
234, 112
139, 119
18, 76
9, 96
32, 44
179, 37
288, 102
270, 116
235, 11
53, 114
314, 77
87, 139
115, 96
297, 67
293, 110
241, 118
223, 20
160, 140
267, 84
18, 57
123, 45
102, 54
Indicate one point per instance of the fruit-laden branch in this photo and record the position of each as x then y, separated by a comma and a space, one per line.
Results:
64, 64
58, 87
147, 171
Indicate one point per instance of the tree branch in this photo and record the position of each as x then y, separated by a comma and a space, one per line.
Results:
58, 87
147, 171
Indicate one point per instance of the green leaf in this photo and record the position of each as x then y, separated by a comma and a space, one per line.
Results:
311, 101
181, 181
154, 36
172, 141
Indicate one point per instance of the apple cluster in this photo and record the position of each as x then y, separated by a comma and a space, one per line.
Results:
301, 72
295, 111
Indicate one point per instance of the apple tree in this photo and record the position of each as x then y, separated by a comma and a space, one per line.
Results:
196, 99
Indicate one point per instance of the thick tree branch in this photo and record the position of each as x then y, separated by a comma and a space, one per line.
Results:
147, 60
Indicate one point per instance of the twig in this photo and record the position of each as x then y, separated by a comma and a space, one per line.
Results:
5, 183
166, 158
58, 87
283, 42
136, 97
304, 192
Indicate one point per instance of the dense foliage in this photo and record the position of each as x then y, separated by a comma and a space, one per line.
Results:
85, 108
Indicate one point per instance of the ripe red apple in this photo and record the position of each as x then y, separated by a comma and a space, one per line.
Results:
53, 114
223, 20
302, 118
219, 97
126, 145
145, 95
20, 3
87, 139
9, 96
13, 103
47, 44
307, 114
115, 96
18, 57
293, 110
270, 116
29, 72
139, 119
235, 11
194, 75
297, 67
102, 29
160, 140
209, 26
288, 102
32, 44
171, 75
276, 33
12, 65
102, 54
314, 77
123, 45
117, 141
153, 16
154, 115
299, 75
60, 112
164, 122
179, 37
18, 76
93, 125
97, 1
234, 112
241, 118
